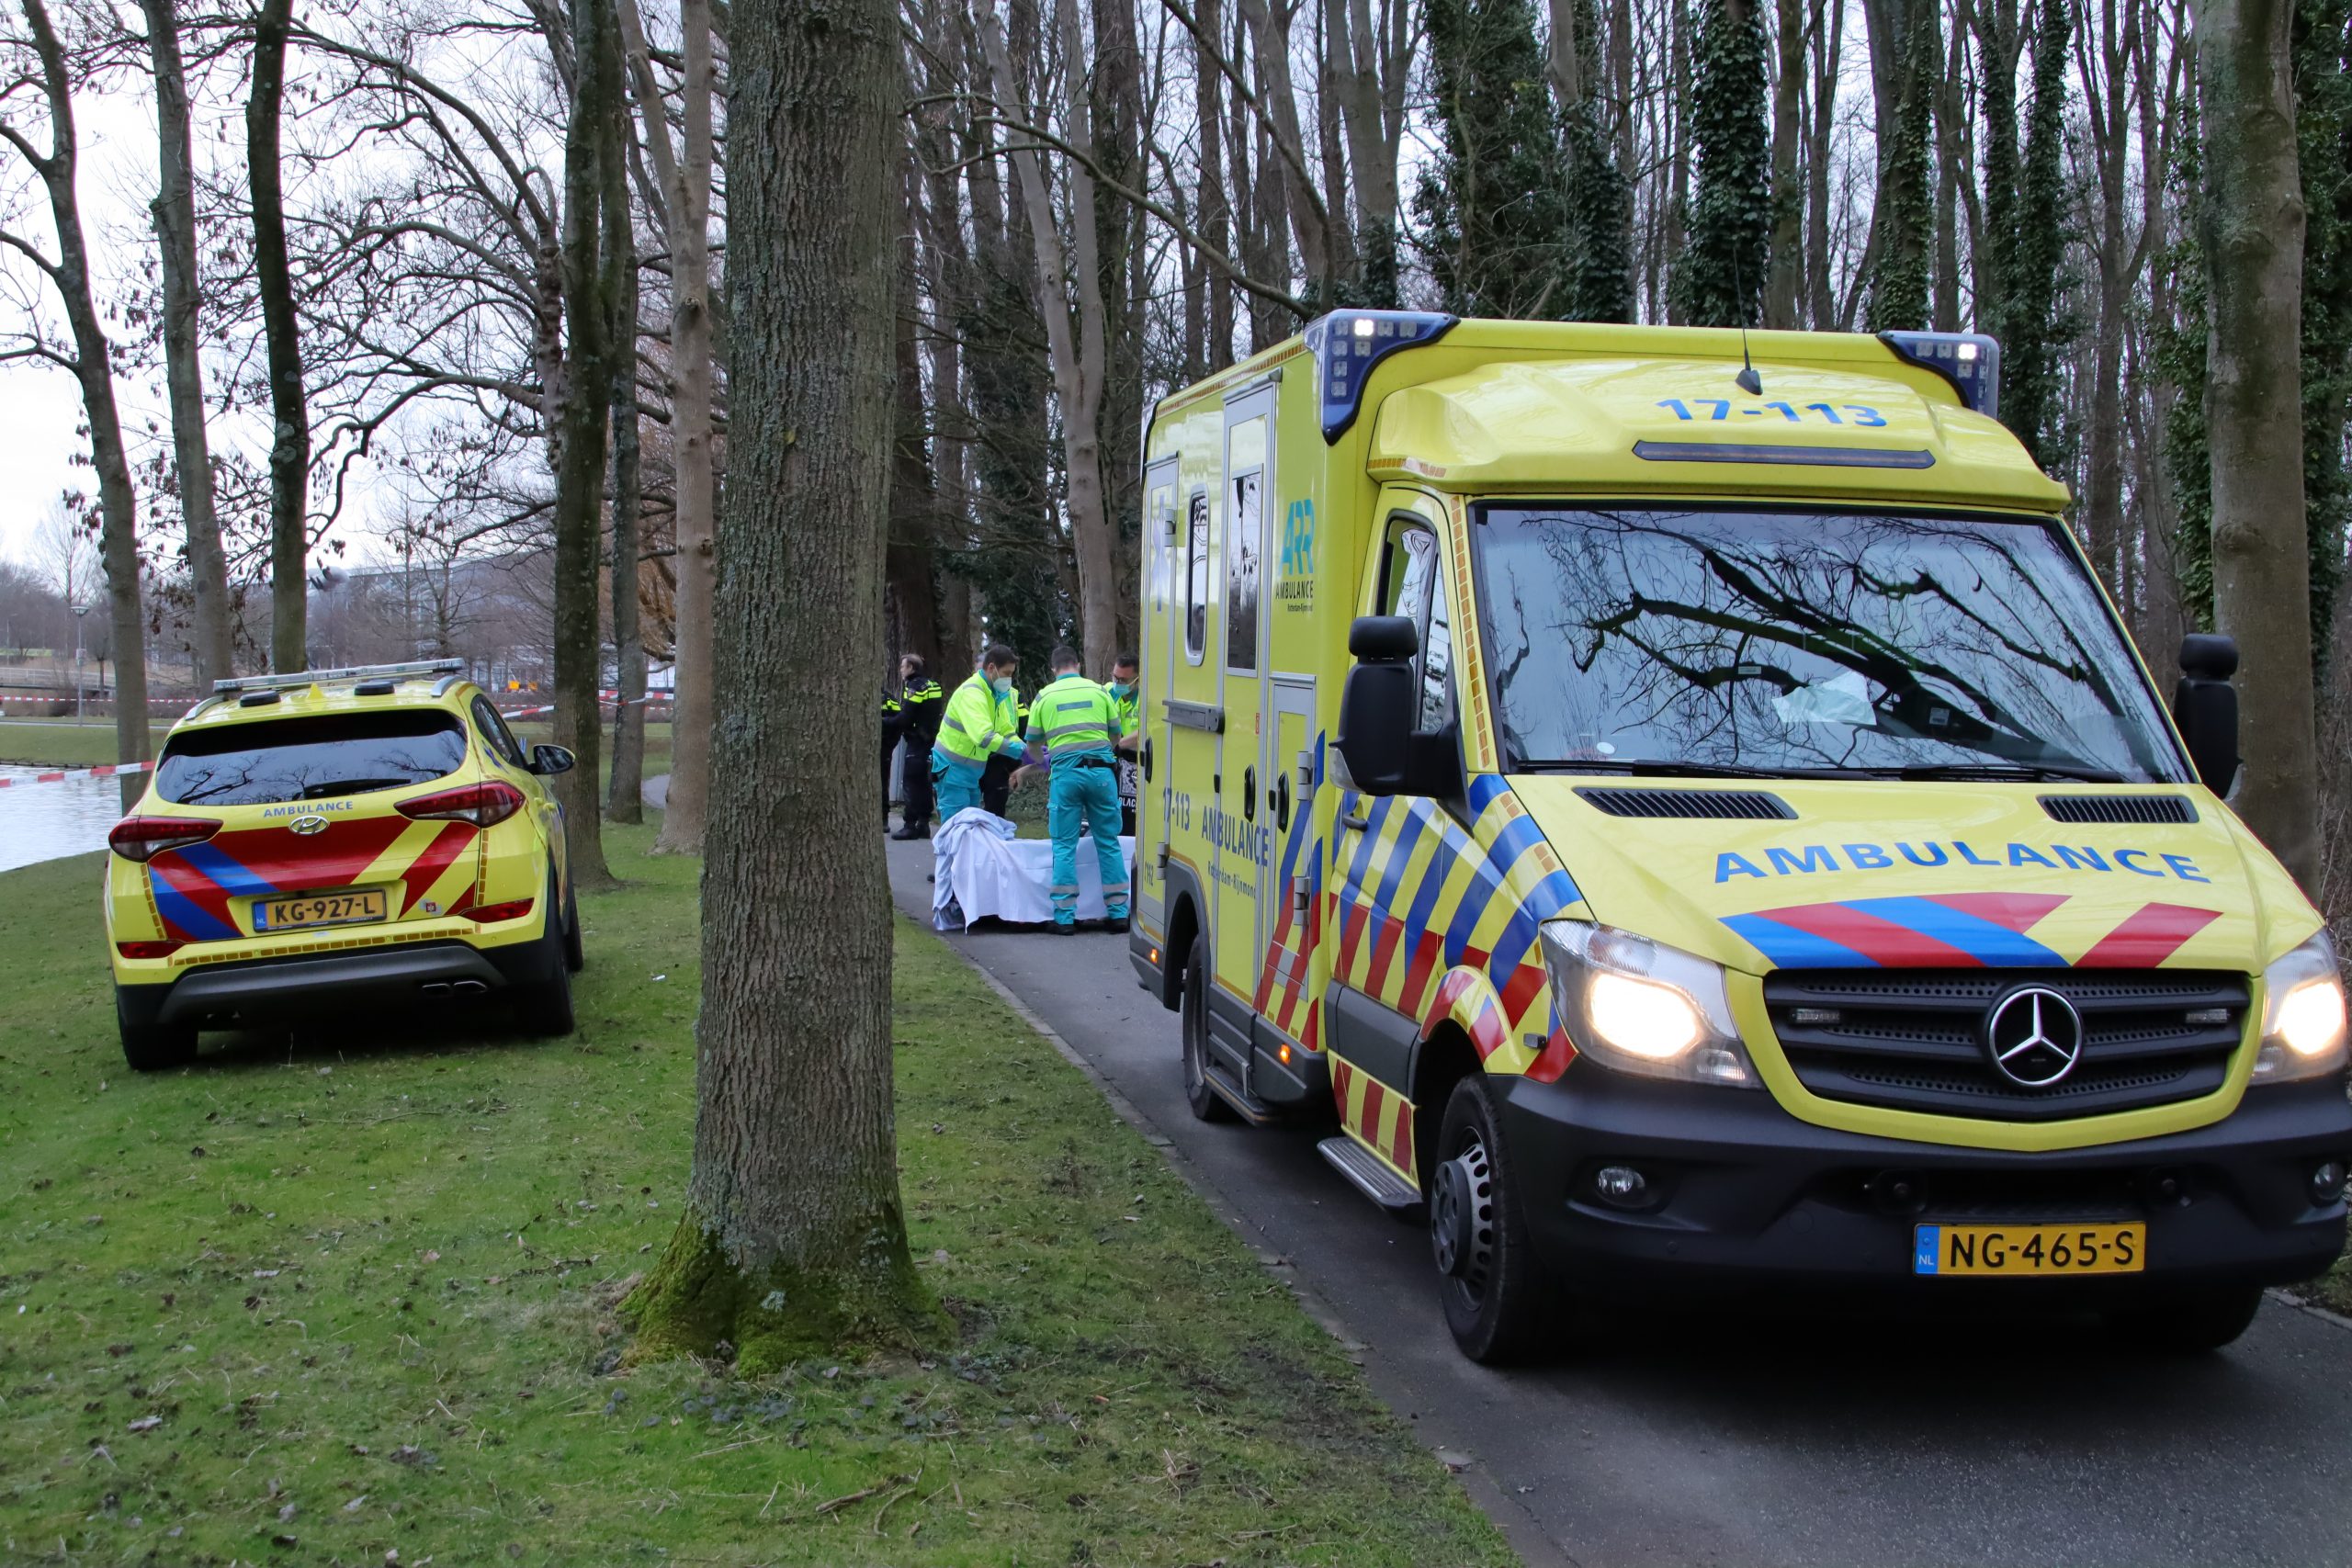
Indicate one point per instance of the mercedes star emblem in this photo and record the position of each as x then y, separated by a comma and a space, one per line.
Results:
306, 826
2034, 1037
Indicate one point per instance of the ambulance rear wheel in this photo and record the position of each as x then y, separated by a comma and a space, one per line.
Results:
150, 1047
544, 1006
1495, 1292
1207, 1103
575, 956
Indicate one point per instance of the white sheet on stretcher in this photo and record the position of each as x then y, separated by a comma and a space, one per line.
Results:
983, 871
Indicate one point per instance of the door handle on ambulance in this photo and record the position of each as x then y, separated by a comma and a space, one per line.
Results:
1250, 794
1146, 757
1279, 798
1360, 824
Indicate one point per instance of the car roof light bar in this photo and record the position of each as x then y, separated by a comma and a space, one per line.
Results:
1970, 361
415, 668
1346, 345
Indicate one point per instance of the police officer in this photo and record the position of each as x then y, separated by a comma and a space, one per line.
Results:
894, 725
1077, 723
996, 779
920, 701
978, 725
1124, 693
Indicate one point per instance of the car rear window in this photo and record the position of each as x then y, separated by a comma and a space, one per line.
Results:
309, 758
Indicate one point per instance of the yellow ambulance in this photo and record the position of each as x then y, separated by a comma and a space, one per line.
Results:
1681, 802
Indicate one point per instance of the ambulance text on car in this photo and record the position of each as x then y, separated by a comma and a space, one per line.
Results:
1687, 808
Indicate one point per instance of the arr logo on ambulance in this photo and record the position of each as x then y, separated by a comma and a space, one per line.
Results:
1808, 858
1296, 578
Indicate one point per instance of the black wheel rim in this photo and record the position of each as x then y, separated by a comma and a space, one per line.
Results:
1462, 1220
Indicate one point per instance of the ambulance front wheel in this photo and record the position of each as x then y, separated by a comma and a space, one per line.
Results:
1207, 1103
1496, 1291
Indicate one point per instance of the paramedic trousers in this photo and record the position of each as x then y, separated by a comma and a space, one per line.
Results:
955, 786
1084, 799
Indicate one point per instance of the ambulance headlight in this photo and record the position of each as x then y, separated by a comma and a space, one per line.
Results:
1636, 1007
2303, 1016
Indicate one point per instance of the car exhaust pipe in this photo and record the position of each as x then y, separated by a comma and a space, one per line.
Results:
469, 987
433, 988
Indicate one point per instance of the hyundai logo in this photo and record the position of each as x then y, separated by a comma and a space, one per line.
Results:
306, 826
2033, 1036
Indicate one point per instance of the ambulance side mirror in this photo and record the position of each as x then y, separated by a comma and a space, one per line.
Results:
2205, 708
1377, 707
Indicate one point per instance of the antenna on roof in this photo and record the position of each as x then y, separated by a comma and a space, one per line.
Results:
1747, 379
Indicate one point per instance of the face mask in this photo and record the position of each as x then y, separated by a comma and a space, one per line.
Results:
1002, 684
1122, 688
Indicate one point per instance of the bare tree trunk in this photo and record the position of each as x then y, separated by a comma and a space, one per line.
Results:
118, 502
1217, 209
1076, 347
909, 582
1952, 127
2252, 223
1783, 282
693, 367
624, 796
1828, 29
591, 158
794, 1243
173, 214
289, 446
2104, 52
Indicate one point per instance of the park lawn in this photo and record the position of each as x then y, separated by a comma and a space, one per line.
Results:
53, 743
320, 1300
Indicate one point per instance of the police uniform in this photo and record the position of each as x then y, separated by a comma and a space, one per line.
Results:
922, 702
979, 724
1076, 721
894, 725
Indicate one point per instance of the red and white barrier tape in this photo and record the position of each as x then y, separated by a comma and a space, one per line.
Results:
111, 770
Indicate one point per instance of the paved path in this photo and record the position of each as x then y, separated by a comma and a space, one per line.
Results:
1718, 1436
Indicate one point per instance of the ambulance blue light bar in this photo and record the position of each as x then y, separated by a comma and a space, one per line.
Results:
1346, 345
1970, 361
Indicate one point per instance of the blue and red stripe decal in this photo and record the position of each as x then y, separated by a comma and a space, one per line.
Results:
1954, 931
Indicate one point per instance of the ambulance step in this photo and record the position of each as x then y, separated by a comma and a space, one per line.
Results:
1247, 1106
1369, 1177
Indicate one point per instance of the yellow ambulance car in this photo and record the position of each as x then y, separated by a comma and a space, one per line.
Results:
1685, 806
327, 844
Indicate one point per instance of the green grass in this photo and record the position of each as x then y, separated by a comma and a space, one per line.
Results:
363, 1284
53, 743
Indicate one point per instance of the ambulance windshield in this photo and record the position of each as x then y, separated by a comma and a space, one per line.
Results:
1785, 642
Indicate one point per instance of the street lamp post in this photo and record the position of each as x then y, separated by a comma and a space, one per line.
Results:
79, 685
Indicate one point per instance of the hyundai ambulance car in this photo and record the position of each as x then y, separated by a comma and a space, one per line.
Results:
321, 845
1682, 802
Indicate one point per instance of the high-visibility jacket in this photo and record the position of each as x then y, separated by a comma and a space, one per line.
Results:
1074, 719
1130, 710
977, 722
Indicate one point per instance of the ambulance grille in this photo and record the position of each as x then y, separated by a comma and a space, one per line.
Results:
1747, 804
1912, 1039
2119, 807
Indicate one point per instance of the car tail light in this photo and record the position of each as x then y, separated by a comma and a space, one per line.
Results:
485, 913
143, 837
479, 804
148, 949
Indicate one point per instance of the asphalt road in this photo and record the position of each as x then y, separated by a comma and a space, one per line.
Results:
1720, 1437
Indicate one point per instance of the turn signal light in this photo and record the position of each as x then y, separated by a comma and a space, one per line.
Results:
479, 804
485, 913
148, 949
142, 839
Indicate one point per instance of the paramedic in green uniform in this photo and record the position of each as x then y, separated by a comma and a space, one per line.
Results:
1077, 723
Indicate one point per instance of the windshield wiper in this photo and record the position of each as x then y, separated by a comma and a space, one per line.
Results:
1996, 770
1641, 768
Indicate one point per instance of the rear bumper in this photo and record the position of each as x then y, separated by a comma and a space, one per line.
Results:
1743, 1193
273, 990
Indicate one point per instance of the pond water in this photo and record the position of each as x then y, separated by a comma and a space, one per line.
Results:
44, 822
